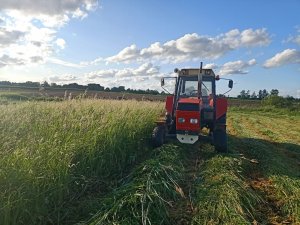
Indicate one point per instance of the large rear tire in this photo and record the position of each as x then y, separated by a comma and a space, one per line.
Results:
158, 136
220, 140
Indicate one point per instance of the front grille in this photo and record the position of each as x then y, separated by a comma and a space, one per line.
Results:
188, 107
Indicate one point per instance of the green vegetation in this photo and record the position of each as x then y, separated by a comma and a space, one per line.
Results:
148, 193
223, 196
274, 143
55, 154
89, 162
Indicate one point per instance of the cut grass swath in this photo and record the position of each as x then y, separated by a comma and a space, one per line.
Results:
148, 193
222, 195
278, 160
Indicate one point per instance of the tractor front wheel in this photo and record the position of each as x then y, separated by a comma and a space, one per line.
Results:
220, 140
158, 136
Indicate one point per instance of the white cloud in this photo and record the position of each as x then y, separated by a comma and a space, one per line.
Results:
236, 67
128, 54
76, 8
92, 63
60, 43
294, 38
63, 63
110, 73
194, 47
297, 39
63, 78
28, 28
144, 70
288, 56
211, 66
7, 60
8, 37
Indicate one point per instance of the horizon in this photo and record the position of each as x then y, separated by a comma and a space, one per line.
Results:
134, 44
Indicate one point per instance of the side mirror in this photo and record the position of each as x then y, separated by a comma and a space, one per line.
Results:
230, 83
162, 82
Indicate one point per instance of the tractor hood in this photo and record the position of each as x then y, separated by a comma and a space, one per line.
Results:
189, 100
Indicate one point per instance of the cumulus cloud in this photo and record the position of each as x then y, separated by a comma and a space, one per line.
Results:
144, 70
128, 54
7, 60
211, 66
194, 47
110, 73
63, 63
297, 39
288, 56
92, 63
49, 11
8, 37
63, 78
28, 28
294, 38
236, 67
60, 43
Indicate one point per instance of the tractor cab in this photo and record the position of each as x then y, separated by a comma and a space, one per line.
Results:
193, 106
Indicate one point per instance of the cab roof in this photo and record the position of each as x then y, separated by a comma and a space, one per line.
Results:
195, 72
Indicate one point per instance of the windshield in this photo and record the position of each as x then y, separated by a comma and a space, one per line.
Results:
189, 88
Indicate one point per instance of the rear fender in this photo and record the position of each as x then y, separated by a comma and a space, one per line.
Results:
221, 107
169, 104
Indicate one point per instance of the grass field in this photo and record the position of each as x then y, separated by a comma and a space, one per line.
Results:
90, 162
59, 94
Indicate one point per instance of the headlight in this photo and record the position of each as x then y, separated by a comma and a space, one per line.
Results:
194, 121
181, 120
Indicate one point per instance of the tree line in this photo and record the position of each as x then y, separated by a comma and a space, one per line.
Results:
90, 86
262, 94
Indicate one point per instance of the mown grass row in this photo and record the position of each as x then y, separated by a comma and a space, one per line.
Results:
278, 158
147, 194
222, 194
54, 155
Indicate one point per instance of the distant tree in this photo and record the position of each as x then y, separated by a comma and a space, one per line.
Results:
107, 89
248, 94
75, 86
274, 92
260, 94
121, 88
253, 96
242, 94
29, 84
290, 98
45, 84
265, 93
95, 87
5, 83
54, 85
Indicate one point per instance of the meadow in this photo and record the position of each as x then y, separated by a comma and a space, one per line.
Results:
88, 161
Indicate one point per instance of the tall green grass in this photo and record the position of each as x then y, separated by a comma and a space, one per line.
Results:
53, 154
148, 193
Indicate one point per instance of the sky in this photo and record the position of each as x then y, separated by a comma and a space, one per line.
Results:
134, 43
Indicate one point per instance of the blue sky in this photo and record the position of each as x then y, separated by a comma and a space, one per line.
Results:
134, 43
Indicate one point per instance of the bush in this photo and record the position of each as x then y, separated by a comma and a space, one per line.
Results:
277, 101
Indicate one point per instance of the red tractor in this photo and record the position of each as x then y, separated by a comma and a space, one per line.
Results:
194, 106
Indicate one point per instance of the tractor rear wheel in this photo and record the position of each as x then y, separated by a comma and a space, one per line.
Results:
158, 136
220, 140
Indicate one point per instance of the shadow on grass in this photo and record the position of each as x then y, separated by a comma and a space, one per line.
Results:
272, 158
